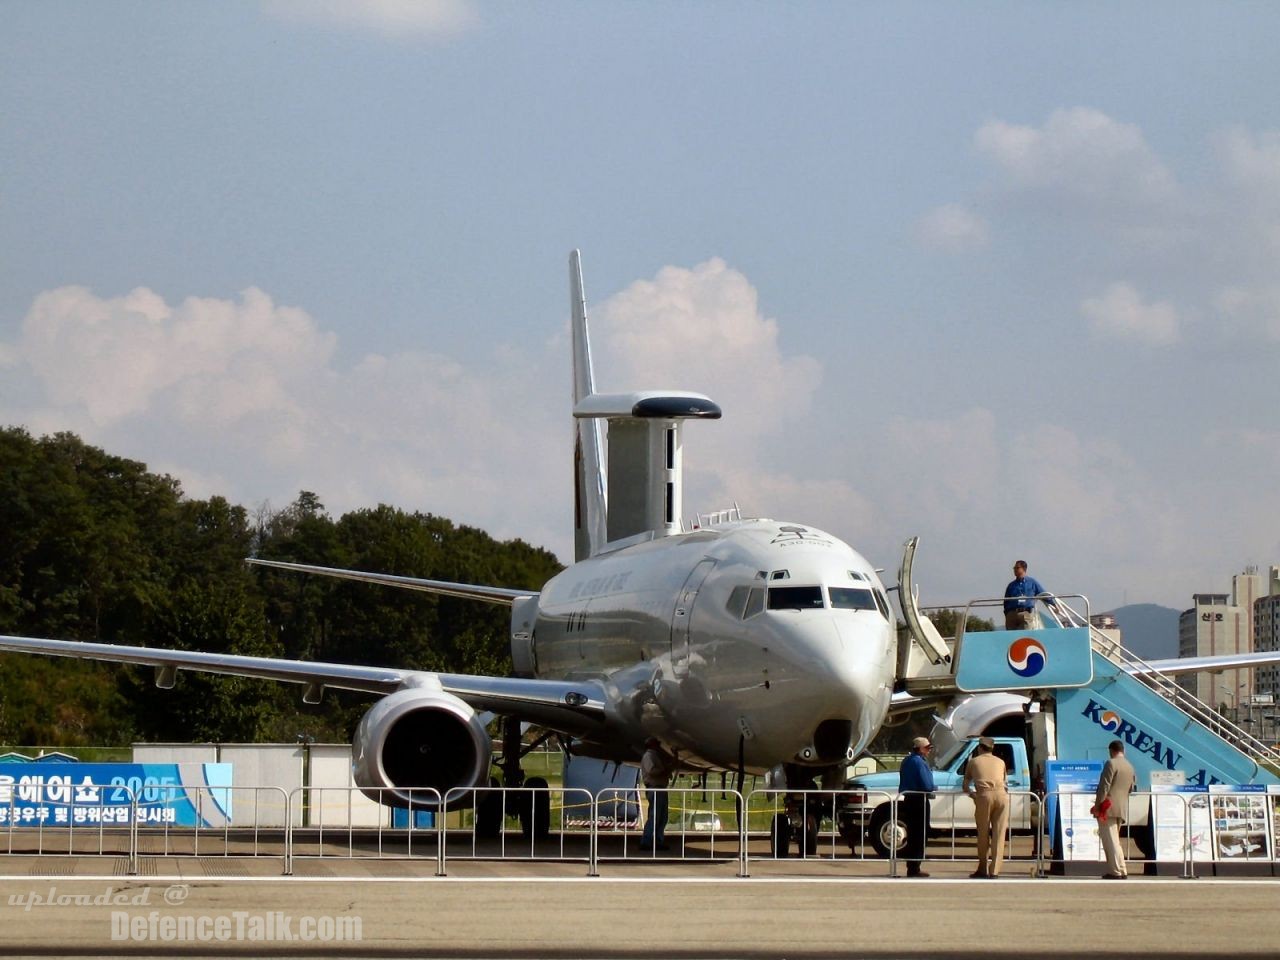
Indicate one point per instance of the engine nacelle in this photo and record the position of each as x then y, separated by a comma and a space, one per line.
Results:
420, 738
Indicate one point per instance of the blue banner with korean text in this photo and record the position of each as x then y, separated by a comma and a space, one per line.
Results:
115, 794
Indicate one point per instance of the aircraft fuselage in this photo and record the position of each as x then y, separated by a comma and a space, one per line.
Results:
770, 638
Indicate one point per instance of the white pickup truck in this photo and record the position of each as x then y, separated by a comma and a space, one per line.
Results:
863, 808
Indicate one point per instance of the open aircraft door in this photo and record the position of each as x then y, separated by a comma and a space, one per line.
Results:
682, 616
921, 628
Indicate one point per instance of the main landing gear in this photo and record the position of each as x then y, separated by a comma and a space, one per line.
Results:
532, 806
802, 814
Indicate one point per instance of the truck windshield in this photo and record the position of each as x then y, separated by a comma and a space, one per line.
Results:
943, 758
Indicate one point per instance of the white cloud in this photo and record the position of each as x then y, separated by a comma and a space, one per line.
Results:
111, 357
243, 398
953, 228
701, 329
1251, 313
831, 504
1252, 163
983, 487
1081, 152
1120, 314
396, 19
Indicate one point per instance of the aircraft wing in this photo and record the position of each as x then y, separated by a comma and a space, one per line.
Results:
571, 707
470, 591
1215, 664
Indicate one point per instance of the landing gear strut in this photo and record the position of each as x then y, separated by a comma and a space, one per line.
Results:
803, 813
534, 806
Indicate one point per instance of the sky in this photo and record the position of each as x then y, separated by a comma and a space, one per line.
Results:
1005, 276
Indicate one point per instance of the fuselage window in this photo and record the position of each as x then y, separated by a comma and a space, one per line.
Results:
852, 598
795, 598
755, 603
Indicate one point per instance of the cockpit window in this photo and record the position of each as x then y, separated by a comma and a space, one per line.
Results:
795, 598
745, 602
852, 598
883, 603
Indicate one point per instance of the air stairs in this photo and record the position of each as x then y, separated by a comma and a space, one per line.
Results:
1164, 724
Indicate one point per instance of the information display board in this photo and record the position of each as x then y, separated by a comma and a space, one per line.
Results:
1071, 786
1241, 828
1171, 807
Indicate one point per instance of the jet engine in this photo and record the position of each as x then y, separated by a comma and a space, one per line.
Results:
418, 740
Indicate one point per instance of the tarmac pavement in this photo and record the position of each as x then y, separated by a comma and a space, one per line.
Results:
60, 907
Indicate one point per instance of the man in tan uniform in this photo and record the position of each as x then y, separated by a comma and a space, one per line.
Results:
1111, 807
984, 780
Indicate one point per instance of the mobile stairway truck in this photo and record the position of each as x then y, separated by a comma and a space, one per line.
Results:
1060, 693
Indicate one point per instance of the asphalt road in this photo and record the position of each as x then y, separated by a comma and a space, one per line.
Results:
646, 916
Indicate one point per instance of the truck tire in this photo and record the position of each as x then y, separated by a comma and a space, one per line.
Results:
885, 833
780, 836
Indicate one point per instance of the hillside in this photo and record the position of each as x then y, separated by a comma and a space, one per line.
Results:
1149, 630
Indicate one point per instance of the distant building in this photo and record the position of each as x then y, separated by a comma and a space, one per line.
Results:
1266, 636
1222, 624
1215, 627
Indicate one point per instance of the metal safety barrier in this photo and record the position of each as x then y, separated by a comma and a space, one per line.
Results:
230, 822
347, 823
69, 820
1185, 831
703, 824
824, 815
547, 825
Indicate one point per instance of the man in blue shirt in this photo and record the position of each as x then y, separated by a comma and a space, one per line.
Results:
915, 783
1019, 603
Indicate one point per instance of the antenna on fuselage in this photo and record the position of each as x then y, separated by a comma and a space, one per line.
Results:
643, 487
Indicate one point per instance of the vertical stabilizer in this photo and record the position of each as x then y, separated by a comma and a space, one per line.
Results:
590, 491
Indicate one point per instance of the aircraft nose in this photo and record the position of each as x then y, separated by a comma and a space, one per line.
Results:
846, 662
862, 677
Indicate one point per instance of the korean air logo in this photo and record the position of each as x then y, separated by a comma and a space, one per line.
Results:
1027, 656
1109, 721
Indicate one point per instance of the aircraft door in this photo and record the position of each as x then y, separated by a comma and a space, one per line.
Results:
682, 617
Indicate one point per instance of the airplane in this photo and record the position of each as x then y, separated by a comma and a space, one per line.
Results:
741, 644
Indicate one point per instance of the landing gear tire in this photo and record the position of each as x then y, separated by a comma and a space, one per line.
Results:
885, 833
780, 836
535, 811
489, 812
811, 836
